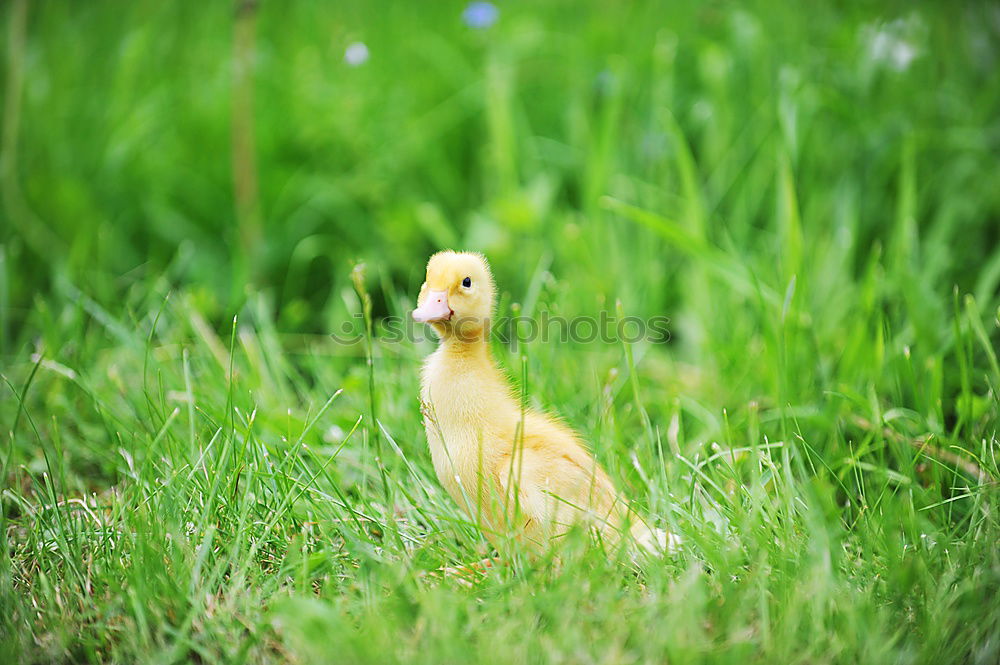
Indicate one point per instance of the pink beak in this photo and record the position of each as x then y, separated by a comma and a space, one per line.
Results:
435, 308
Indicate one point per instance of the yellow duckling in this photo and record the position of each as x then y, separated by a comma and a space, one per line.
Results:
516, 471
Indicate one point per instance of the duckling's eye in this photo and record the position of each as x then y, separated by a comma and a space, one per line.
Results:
467, 282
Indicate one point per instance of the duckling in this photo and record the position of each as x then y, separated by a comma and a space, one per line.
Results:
516, 471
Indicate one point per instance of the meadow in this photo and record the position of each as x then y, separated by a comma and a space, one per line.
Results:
213, 451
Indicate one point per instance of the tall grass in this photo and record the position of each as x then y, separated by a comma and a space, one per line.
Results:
194, 470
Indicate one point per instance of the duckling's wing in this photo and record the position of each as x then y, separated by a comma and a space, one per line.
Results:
548, 488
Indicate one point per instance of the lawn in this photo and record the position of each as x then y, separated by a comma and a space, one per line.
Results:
215, 218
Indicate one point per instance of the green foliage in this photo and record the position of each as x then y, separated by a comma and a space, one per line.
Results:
812, 196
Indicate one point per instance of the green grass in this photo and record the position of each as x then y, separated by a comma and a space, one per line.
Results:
194, 471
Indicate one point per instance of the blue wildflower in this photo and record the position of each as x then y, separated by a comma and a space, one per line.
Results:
480, 15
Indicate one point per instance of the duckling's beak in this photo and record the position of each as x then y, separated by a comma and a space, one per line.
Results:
435, 308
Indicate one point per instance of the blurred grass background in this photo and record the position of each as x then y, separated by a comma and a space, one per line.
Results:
811, 194
504, 139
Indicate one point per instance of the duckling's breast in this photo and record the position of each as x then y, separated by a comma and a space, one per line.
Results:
469, 420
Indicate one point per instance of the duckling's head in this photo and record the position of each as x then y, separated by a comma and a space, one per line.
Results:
457, 295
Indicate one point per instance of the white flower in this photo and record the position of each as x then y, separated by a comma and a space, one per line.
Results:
894, 44
333, 434
356, 54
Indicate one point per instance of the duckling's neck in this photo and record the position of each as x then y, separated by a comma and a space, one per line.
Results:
467, 359
474, 350
461, 378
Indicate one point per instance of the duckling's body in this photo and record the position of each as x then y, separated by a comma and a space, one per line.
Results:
474, 427
516, 471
